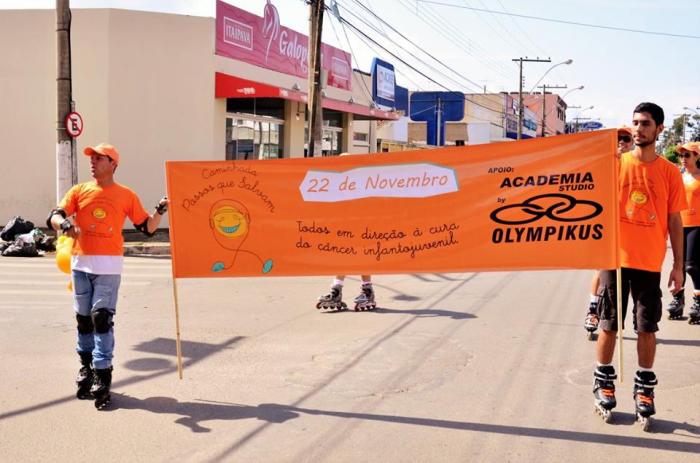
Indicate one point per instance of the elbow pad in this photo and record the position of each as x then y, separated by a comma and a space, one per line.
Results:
143, 228
53, 212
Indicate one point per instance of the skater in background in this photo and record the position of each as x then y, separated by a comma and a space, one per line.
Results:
334, 299
624, 144
93, 214
689, 155
652, 196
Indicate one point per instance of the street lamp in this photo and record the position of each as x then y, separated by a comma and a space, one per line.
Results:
567, 62
577, 88
584, 109
562, 97
522, 60
578, 117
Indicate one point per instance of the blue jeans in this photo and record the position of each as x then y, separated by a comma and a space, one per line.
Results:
91, 293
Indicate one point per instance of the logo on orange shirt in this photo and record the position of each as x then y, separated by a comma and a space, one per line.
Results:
639, 208
99, 213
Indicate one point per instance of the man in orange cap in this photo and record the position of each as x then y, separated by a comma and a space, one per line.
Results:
624, 145
93, 213
689, 156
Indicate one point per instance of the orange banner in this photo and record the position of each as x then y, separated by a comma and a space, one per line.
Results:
535, 204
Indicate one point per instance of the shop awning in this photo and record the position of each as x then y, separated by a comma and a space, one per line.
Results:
228, 86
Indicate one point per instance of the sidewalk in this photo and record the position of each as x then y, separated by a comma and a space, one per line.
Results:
136, 244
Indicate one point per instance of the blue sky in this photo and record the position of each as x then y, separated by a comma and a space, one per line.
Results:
618, 69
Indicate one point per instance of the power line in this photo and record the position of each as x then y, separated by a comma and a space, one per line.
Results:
362, 34
562, 21
352, 55
414, 44
515, 43
545, 53
370, 43
467, 45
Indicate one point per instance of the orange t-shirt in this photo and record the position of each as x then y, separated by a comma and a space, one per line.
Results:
691, 216
100, 213
649, 192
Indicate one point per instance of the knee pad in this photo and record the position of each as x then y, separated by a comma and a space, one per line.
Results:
102, 319
692, 268
85, 325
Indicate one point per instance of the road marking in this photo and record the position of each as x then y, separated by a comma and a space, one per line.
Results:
129, 274
52, 264
35, 292
63, 283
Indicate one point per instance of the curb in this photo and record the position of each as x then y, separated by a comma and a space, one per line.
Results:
147, 249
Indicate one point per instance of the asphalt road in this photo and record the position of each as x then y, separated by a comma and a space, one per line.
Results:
486, 367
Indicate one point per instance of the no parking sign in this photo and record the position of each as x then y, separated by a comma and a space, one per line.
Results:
74, 124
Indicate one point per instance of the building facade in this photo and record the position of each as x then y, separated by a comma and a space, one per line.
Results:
163, 87
550, 110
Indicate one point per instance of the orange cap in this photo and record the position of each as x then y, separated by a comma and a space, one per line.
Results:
104, 149
624, 129
690, 146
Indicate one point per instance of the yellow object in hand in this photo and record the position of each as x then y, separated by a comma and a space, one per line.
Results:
64, 251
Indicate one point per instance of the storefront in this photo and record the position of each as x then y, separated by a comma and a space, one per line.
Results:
261, 72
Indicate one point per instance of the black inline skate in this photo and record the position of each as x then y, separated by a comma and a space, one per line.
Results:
365, 300
604, 391
694, 312
332, 300
85, 376
100, 387
675, 308
592, 320
644, 383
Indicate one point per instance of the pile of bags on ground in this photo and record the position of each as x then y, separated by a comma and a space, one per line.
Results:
21, 239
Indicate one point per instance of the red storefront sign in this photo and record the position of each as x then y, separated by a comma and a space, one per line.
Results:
235, 87
264, 42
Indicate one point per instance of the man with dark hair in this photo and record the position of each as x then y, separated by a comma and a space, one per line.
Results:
651, 198
93, 214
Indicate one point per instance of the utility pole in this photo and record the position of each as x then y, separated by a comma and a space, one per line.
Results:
316, 8
544, 88
66, 160
520, 91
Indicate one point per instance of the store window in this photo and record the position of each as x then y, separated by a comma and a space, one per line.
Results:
254, 128
332, 134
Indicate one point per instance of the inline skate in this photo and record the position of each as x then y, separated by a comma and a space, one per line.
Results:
604, 391
365, 300
644, 383
333, 300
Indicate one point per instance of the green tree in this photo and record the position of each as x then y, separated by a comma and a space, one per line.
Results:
694, 128
670, 154
673, 135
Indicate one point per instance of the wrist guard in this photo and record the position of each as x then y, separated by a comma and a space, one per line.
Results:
161, 208
66, 225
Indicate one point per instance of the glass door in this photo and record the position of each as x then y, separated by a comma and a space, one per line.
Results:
253, 138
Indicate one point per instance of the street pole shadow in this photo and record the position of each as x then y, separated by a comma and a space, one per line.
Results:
425, 313
671, 342
658, 426
418, 313
194, 413
643, 441
679, 342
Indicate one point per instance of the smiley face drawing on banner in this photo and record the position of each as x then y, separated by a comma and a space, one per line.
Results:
229, 221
